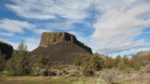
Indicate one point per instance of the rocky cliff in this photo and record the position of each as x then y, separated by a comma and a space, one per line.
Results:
6, 49
60, 47
53, 38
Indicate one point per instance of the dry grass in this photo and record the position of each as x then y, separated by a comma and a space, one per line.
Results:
132, 78
138, 78
47, 80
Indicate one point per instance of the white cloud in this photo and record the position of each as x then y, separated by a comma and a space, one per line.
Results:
6, 34
40, 30
32, 42
15, 26
117, 28
118, 22
50, 9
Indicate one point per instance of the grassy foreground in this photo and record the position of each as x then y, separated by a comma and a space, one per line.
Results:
144, 79
47, 80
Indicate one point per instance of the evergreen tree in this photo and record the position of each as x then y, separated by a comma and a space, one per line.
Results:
117, 60
109, 62
18, 64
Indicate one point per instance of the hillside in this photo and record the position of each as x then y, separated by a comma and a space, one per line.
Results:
60, 47
6, 49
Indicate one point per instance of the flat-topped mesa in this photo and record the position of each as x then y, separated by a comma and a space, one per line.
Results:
53, 38
60, 47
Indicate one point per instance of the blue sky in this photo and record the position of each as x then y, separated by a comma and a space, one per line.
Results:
109, 27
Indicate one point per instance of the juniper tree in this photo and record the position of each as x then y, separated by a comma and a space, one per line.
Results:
18, 64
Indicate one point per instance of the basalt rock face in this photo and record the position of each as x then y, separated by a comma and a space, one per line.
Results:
55, 38
6, 50
60, 47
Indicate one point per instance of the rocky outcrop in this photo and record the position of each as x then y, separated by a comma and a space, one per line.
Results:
60, 47
53, 38
6, 49
143, 53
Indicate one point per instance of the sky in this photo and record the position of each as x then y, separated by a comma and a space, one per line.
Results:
110, 27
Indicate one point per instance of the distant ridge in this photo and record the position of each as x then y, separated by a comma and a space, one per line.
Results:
6, 49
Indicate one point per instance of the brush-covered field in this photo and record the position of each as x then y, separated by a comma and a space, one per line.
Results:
133, 79
47, 80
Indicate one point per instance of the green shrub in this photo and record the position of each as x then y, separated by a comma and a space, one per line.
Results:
108, 62
145, 69
2, 62
109, 75
87, 70
19, 63
92, 63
